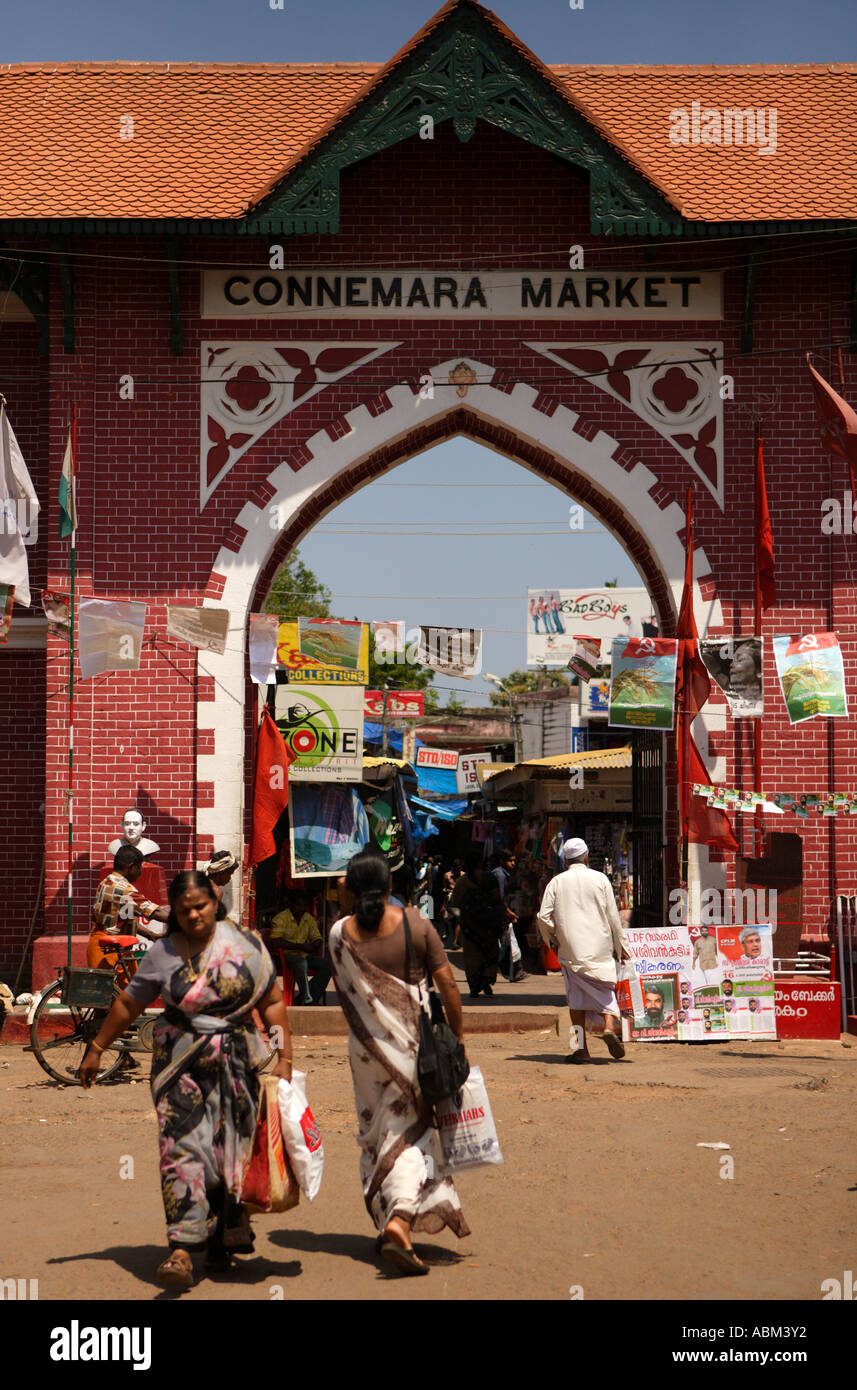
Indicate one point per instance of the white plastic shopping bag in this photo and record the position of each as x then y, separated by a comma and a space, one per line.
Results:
467, 1132
629, 991
514, 948
301, 1134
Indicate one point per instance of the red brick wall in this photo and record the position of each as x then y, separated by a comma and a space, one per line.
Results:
489, 203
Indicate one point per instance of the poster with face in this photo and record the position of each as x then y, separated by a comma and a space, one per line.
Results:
736, 665
702, 984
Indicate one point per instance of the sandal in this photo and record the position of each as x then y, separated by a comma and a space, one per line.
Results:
404, 1260
176, 1272
615, 1045
579, 1058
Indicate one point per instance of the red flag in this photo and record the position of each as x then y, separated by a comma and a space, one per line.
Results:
693, 684
766, 592
706, 825
838, 420
270, 787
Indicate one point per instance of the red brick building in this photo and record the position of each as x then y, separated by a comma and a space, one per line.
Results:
230, 394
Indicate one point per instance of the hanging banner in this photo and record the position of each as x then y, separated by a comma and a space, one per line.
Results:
323, 726
110, 635
703, 984
262, 638
7, 598
401, 704
587, 657
324, 651
453, 651
555, 616
205, 628
57, 610
597, 697
735, 664
642, 683
812, 677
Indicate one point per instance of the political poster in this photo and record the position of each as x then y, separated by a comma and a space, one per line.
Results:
642, 683
702, 984
7, 598
812, 677
452, 651
587, 657
556, 618
735, 664
57, 610
324, 651
204, 628
110, 635
323, 726
262, 643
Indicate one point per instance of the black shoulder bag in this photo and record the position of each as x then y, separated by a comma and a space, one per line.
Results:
442, 1067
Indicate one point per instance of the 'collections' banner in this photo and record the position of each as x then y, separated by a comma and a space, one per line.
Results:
324, 651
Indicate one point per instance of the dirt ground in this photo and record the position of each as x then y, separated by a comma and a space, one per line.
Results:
591, 1154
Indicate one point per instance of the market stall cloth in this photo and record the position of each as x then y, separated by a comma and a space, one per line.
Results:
329, 826
449, 809
374, 733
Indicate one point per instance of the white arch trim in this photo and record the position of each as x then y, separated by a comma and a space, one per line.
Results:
331, 459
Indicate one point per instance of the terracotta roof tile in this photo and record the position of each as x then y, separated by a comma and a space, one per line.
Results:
210, 138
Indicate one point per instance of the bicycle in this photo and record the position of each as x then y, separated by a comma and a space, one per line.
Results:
71, 1010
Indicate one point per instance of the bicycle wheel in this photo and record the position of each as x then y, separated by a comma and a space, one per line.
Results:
60, 1035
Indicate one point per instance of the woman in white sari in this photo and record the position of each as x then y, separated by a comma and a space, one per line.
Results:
400, 1153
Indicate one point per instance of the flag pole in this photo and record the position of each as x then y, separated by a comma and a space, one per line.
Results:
71, 684
758, 827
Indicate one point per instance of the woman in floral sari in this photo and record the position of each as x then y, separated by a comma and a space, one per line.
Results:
400, 1153
210, 974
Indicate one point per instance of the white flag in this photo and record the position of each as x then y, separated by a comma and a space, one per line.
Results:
19, 511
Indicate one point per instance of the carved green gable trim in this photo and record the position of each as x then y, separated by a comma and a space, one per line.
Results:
466, 72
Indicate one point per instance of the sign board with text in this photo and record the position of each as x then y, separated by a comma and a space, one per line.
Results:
401, 704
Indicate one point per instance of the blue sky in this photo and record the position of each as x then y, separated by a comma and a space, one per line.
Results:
477, 580
603, 31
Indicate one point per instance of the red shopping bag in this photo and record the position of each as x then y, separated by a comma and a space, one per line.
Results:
269, 1183
549, 960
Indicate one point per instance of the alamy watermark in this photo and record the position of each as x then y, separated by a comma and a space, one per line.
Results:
729, 125
20, 518
723, 907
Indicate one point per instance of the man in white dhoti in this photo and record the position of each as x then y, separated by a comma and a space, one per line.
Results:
578, 918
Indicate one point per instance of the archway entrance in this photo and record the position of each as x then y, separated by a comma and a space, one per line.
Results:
554, 443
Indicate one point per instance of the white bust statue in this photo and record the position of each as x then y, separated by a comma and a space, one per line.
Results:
133, 826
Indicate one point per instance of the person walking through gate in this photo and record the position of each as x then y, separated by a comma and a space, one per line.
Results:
578, 918
211, 975
400, 1155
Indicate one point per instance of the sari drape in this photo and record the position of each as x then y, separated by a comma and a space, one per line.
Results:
204, 1085
400, 1154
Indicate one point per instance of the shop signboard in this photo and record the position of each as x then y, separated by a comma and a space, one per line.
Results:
557, 619
323, 726
444, 758
467, 778
807, 1007
401, 704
